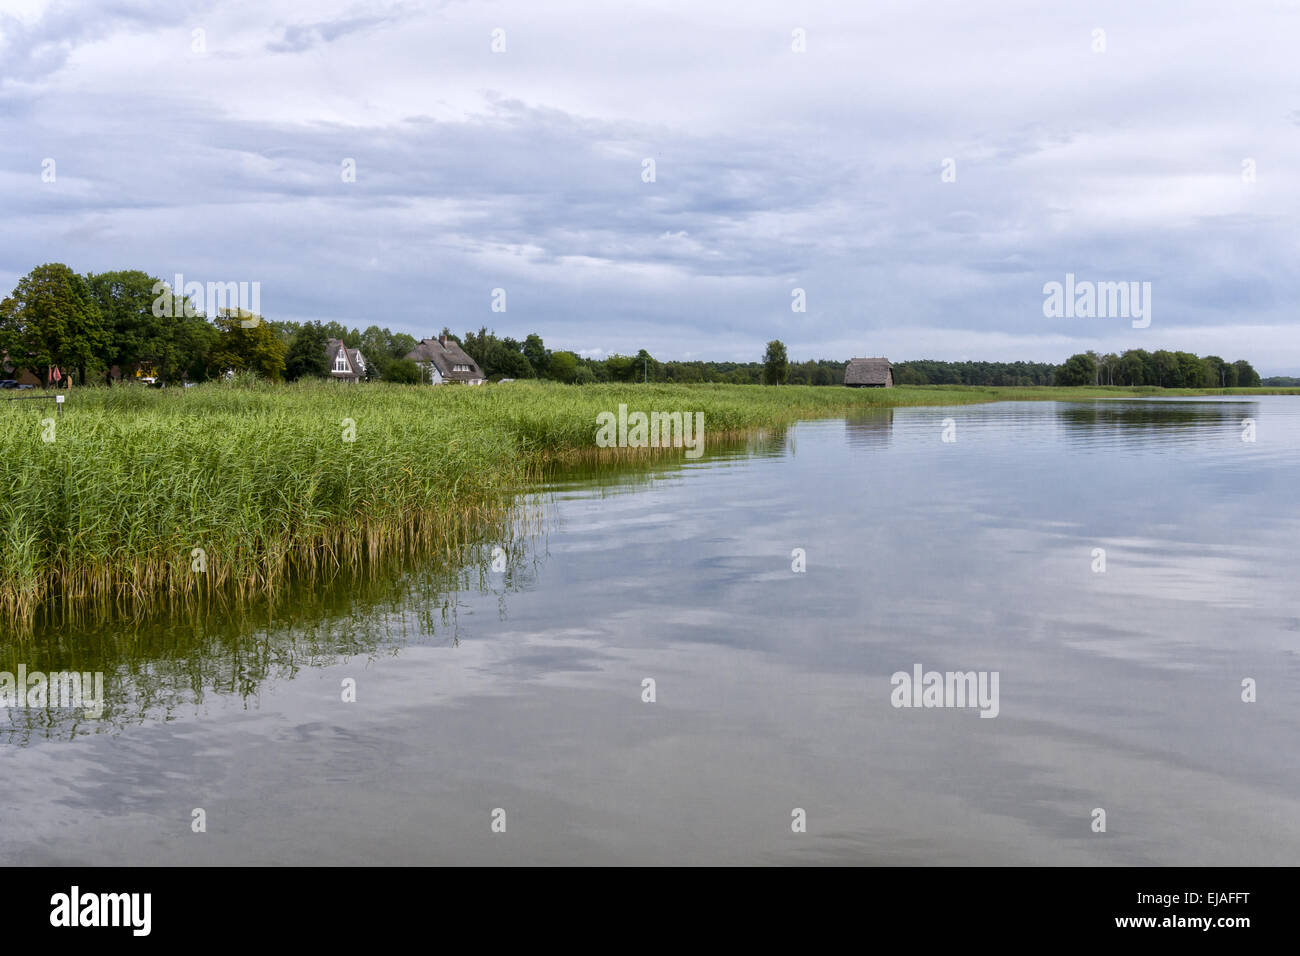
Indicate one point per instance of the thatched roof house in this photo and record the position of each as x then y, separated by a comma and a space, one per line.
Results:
443, 360
869, 373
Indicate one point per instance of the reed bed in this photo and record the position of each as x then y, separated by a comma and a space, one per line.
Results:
147, 499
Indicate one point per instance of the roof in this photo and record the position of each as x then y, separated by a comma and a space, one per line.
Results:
867, 371
355, 359
446, 357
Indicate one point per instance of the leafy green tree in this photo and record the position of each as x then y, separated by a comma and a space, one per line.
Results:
563, 366
1247, 377
196, 342
375, 343
245, 343
497, 357
403, 371
644, 367
620, 368
400, 345
1192, 372
1107, 365
51, 319
776, 365
1134, 368
1216, 373
1169, 373
475, 345
511, 364
139, 334
336, 330
286, 329
536, 353
1080, 369
306, 357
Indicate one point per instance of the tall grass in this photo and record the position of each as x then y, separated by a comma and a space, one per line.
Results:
261, 482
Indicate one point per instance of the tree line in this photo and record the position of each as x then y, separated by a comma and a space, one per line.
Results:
95, 323
1160, 368
92, 324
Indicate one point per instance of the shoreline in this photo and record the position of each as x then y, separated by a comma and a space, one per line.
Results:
142, 498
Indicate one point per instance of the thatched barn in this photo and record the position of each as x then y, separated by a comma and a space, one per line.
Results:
869, 373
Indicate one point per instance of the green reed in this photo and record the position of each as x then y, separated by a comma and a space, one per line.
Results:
252, 483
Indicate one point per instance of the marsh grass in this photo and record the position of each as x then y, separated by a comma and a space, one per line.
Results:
260, 478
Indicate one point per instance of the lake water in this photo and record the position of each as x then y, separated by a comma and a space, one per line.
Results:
522, 690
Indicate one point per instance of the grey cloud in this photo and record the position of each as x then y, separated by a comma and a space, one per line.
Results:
520, 172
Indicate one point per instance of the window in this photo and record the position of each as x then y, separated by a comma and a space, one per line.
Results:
460, 368
341, 362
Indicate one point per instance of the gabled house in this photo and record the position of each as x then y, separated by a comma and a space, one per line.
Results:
443, 360
346, 365
869, 373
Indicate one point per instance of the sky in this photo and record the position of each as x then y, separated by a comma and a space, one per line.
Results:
919, 170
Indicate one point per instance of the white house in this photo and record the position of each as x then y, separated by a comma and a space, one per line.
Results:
346, 365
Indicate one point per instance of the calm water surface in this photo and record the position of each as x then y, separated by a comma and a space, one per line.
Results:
522, 689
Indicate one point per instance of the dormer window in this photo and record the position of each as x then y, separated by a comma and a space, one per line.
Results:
341, 362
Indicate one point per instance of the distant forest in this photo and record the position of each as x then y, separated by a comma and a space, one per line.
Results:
507, 357
530, 359
128, 324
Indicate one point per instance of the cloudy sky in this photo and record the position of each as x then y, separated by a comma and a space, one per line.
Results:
209, 139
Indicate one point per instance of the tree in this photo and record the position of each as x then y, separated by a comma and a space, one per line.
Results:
563, 366
1247, 377
1168, 372
620, 368
196, 340
1107, 366
1080, 369
51, 319
776, 365
349, 337
247, 344
307, 356
511, 364
475, 346
1217, 373
1134, 368
644, 367
136, 336
1192, 371
376, 344
536, 353
497, 357
400, 345
403, 371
